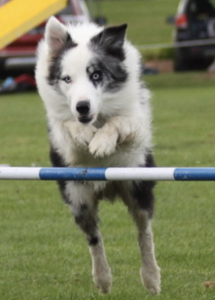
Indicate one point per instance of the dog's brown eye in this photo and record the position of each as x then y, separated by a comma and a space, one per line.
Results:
67, 79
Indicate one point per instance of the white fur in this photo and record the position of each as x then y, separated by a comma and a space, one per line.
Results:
100, 269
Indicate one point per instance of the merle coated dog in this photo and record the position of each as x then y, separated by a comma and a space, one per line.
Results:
99, 115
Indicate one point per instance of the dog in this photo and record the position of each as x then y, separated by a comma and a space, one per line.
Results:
99, 115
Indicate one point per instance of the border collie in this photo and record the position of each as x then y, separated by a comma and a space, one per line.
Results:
98, 114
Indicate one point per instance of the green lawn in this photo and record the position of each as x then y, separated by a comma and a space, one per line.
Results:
146, 23
146, 19
42, 253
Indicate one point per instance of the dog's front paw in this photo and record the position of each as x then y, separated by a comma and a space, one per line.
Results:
102, 144
82, 134
83, 137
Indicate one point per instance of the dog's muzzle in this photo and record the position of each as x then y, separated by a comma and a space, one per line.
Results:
83, 108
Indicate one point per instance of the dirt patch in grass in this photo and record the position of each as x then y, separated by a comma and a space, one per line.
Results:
209, 284
163, 66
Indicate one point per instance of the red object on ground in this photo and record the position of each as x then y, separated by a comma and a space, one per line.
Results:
26, 78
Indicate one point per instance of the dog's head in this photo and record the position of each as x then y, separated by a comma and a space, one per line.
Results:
86, 64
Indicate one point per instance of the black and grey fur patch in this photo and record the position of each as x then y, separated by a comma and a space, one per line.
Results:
108, 46
142, 191
54, 70
110, 41
57, 161
93, 241
113, 73
86, 220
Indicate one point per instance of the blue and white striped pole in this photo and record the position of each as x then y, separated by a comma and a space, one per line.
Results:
119, 174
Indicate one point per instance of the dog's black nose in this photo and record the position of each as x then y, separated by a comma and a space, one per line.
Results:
83, 107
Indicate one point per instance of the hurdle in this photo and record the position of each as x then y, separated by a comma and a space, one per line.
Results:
108, 174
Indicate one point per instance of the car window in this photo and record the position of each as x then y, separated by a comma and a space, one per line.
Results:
212, 2
202, 8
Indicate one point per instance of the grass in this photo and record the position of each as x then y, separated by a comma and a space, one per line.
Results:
146, 22
146, 19
42, 253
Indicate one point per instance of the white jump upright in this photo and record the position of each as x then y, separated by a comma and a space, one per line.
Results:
118, 174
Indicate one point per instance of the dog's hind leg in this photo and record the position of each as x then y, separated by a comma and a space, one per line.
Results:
86, 217
140, 204
149, 272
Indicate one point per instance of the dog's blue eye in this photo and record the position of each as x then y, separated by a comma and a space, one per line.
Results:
96, 76
67, 79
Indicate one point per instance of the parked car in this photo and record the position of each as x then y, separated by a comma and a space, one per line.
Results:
19, 56
194, 26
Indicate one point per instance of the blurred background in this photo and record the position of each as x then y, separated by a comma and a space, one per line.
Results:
172, 35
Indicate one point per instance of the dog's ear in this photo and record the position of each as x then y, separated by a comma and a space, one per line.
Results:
111, 39
56, 35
